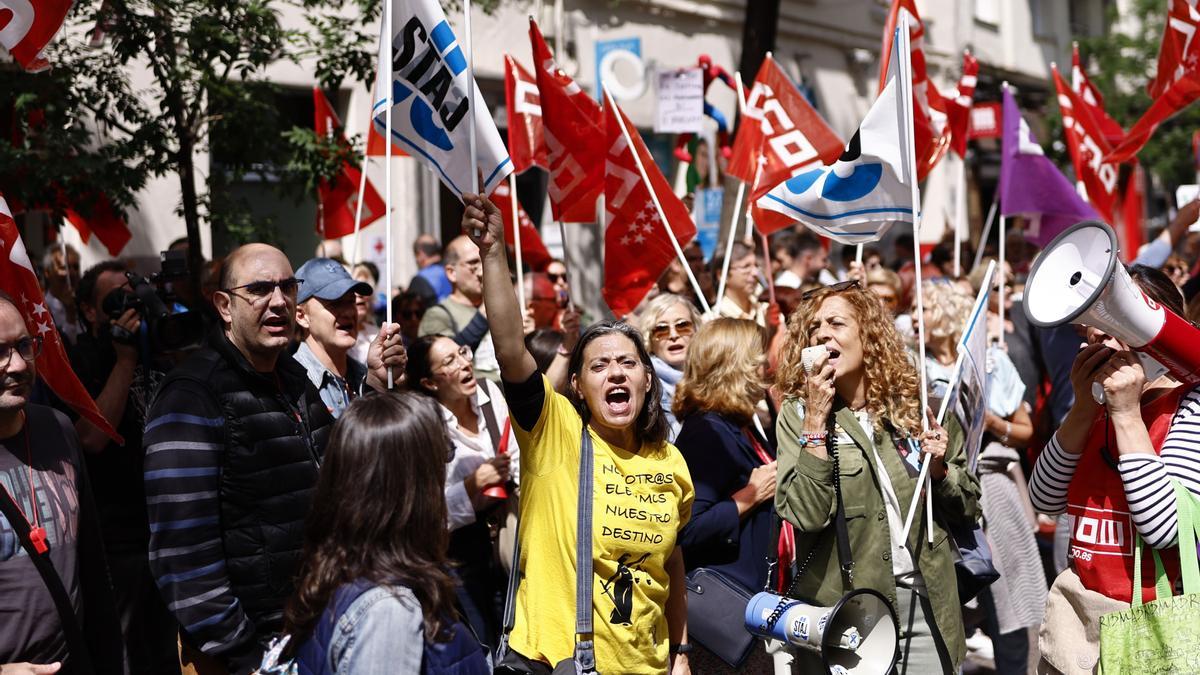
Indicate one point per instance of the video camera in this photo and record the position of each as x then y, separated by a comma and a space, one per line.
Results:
171, 326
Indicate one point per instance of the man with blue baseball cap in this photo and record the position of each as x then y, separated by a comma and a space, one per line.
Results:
325, 309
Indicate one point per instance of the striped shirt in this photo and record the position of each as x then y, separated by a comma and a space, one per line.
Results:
1147, 478
185, 434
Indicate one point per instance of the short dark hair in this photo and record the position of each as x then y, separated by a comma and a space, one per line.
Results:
85, 294
1156, 284
420, 365
543, 345
425, 245
651, 425
806, 242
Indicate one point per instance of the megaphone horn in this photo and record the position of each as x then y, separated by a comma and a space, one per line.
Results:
856, 636
1078, 279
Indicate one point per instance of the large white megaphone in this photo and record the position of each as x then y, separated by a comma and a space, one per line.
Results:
857, 635
1078, 279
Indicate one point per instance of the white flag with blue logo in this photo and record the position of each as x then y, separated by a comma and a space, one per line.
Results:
869, 188
428, 68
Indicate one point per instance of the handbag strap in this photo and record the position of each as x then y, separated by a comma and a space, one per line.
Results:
839, 516
72, 632
585, 656
1162, 585
1185, 505
489, 416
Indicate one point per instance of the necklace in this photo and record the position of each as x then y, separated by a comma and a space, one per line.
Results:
37, 533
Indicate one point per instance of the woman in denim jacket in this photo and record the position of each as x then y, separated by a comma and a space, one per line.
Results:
374, 594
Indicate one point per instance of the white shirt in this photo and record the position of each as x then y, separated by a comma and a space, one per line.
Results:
472, 450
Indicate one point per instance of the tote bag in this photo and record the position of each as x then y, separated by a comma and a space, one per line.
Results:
1162, 636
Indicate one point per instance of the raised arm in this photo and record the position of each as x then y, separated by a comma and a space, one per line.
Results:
484, 225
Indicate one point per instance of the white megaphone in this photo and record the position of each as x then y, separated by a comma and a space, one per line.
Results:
1078, 279
857, 635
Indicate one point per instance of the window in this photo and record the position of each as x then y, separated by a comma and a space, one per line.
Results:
987, 11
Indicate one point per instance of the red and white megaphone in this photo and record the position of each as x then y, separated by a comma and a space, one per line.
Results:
1078, 279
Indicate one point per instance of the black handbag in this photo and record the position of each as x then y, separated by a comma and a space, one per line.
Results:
716, 602
973, 565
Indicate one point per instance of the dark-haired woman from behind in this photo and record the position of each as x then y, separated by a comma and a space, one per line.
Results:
374, 595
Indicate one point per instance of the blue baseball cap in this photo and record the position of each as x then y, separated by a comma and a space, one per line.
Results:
326, 279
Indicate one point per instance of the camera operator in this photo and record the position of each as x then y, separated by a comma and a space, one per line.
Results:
106, 359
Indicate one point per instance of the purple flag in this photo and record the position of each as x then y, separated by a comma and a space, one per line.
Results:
1031, 185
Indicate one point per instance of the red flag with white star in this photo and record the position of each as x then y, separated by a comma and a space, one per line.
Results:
20, 283
1088, 146
338, 200
572, 125
637, 248
533, 250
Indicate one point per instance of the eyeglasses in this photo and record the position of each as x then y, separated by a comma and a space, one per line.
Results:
464, 352
832, 288
555, 278
260, 290
27, 348
663, 330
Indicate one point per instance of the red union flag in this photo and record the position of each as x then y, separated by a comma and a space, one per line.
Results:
958, 110
30, 26
533, 250
929, 108
19, 282
574, 137
1088, 147
1177, 53
526, 142
105, 222
637, 248
779, 137
1089, 94
339, 198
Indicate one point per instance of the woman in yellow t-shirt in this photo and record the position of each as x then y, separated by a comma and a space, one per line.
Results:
641, 492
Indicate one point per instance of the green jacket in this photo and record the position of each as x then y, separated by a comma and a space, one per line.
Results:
805, 498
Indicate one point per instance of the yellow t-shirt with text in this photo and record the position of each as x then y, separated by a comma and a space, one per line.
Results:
640, 502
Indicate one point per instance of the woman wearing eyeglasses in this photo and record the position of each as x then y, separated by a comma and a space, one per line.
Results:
476, 418
861, 401
668, 323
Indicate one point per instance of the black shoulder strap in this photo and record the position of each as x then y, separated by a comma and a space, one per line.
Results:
489, 416
81, 661
839, 516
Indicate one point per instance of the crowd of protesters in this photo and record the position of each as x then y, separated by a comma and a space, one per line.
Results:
308, 486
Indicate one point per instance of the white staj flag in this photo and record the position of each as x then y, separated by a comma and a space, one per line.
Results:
869, 188
428, 69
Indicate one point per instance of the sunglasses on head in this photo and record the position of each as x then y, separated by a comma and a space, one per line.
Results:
682, 328
832, 288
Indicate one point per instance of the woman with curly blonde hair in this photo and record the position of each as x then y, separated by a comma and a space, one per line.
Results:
732, 466
855, 412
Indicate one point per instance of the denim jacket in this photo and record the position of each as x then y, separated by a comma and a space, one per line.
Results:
381, 633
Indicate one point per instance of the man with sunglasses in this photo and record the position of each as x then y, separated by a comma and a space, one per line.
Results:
326, 308
233, 444
43, 477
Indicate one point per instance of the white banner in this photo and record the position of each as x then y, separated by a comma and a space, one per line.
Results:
428, 76
680, 102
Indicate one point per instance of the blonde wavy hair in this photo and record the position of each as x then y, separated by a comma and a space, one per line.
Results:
892, 384
948, 310
648, 318
721, 374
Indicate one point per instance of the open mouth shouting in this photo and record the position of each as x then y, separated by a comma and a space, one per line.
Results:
619, 401
277, 325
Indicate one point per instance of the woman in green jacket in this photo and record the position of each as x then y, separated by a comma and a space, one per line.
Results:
869, 388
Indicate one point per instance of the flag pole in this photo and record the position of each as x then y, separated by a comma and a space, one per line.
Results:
1000, 295
468, 43
767, 268
389, 86
907, 106
516, 219
657, 204
987, 228
362, 191
960, 215
737, 204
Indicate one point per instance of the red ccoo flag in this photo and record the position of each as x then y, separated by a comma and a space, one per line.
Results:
958, 109
19, 282
1177, 81
1088, 147
929, 108
782, 132
533, 250
339, 199
526, 140
29, 28
637, 248
574, 137
105, 222
1089, 94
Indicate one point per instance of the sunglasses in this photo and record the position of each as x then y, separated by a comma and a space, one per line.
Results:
555, 278
259, 290
27, 348
832, 288
663, 330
